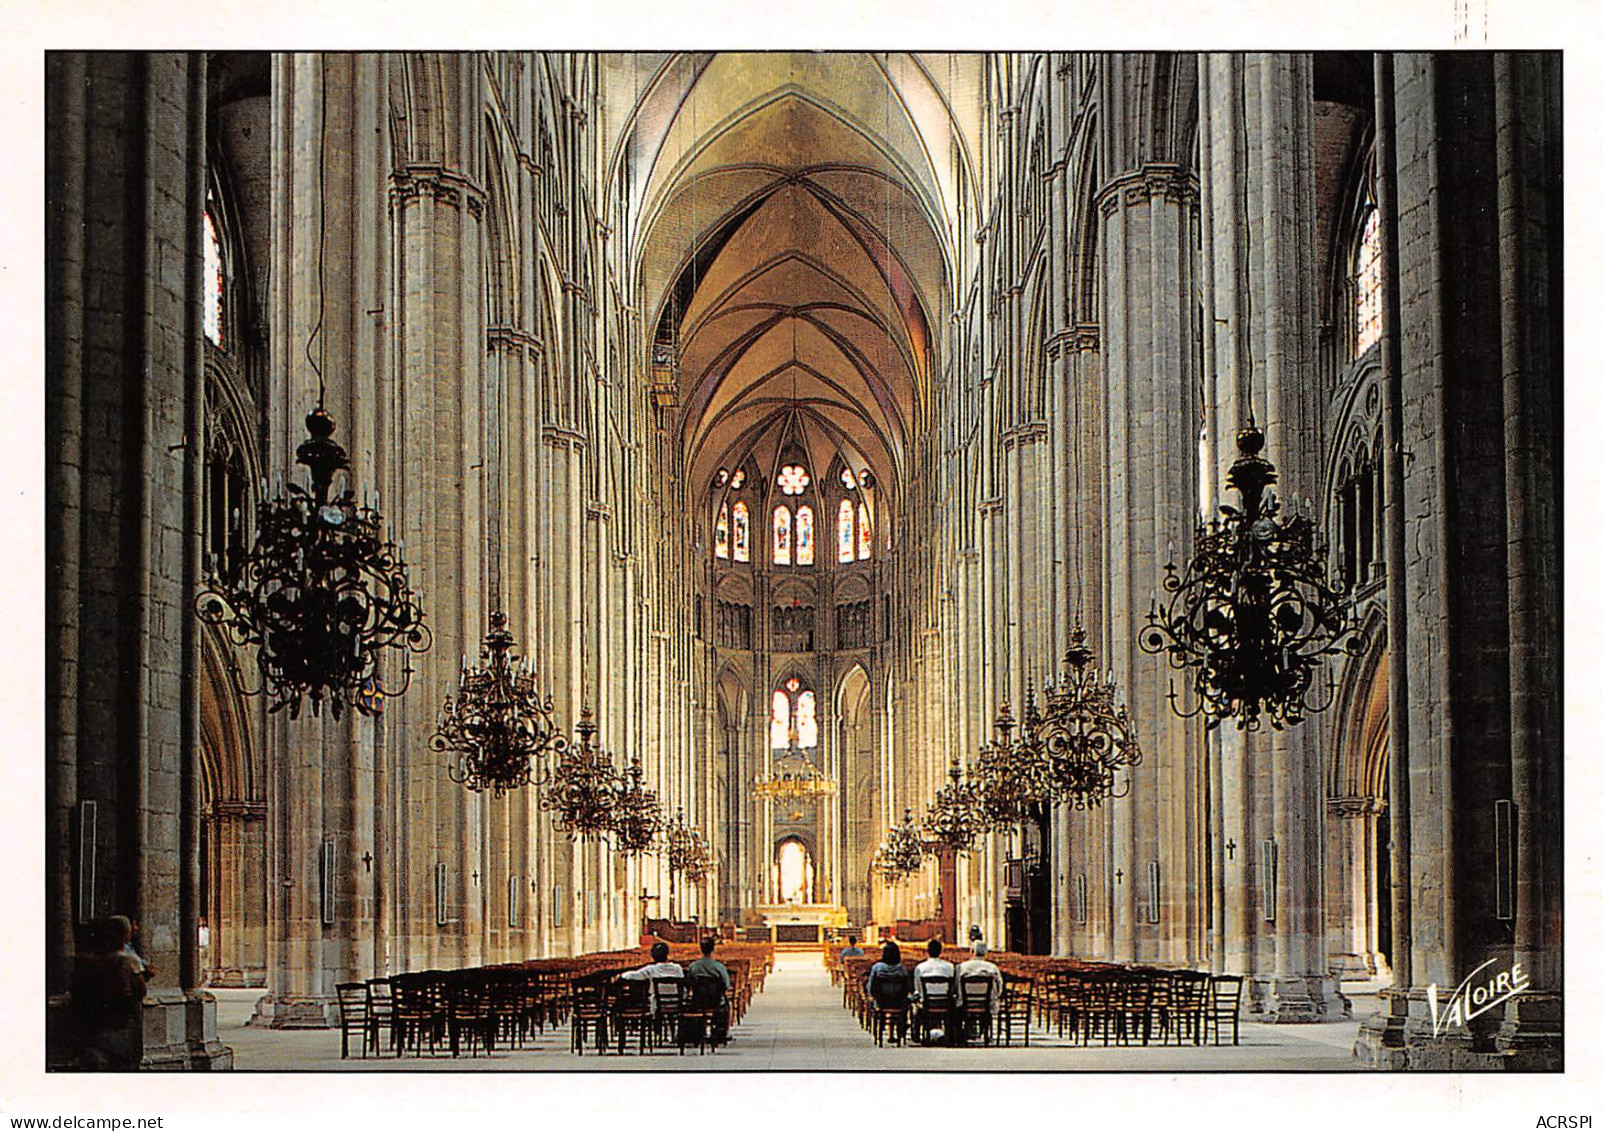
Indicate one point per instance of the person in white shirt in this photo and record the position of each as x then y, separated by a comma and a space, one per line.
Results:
933, 967
980, 966
659, 969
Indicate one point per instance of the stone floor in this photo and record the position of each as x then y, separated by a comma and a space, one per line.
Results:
798, 1023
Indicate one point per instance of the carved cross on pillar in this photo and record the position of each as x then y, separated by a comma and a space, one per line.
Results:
1118, 876
367, 860
1230, 847
475, 878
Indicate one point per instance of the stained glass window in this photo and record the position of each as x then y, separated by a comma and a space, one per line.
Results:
845, 533
742, 533
1366, 283
807, 720
212, 311
722, 477
848, 480
865, 537
793, 479
781, 535
721, 533
739, 480
804, 535
779, 724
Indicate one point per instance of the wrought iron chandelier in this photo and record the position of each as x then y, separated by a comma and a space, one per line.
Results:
497, 726
322, 592
688, 852
794, 778
1014, 774
636, 820
1254, 615
581, 789
1089, 736
956, 818
901, 854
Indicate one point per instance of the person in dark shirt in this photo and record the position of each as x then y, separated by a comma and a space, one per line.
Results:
709, 967
890, 959
107, 988
852, 949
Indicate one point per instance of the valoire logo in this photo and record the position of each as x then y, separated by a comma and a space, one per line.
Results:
1470, 1001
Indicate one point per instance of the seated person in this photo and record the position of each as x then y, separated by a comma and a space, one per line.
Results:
852, 950
709, 967
933, 967
108, 984
890, 961
981, 967
659, 969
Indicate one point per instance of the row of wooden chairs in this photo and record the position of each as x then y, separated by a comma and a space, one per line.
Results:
504, 1006
657, 1013
1126, 1006
962, 1013
1084, 1001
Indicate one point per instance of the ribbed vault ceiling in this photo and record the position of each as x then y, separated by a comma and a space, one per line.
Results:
794, 216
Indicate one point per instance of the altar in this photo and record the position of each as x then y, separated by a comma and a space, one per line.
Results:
801, 922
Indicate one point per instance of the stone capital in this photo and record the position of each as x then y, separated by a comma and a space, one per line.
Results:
1151, 182
415, 182
510, 339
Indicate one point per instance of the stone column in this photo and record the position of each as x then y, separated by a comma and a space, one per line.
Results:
125, 397
238, 836
1528, 163
1148, 217
329, 209
1258, 203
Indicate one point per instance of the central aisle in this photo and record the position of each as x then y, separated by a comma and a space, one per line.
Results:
798, 1023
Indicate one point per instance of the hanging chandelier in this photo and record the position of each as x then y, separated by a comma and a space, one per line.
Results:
956, 818
1254, 614
497, 726
636, 819
322, 592
581, 789
793, 778
901, 854
688, 852
1089, 736
1014, 774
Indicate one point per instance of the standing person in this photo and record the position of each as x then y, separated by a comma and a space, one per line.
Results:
709, 967
130, 928
106, 990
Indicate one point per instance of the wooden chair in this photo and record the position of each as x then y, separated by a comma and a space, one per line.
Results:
1015, 1008
936, 1007
976, 1006
705, 1015
1188, 998
380, 1011
591, 1005
1223, 1004
1132, 994
889, 1009
469, 1012
353, 1015
670, 995
418, 1012
631, 1009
